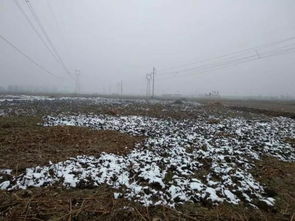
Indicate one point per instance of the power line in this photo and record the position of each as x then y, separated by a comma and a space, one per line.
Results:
232, 54
281, 50
27, 56
237, 62
35, 16
286, 49
205, 69
34, 29
208, 66
222, 59
58, 27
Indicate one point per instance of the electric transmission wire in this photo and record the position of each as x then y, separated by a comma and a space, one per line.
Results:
214, 67
35, 16
27, 56
290, 50
274, 43
35, 29
217, 68
209, 65
58, 27
232, 54
287, 49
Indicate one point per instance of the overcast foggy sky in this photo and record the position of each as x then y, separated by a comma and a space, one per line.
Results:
113, 40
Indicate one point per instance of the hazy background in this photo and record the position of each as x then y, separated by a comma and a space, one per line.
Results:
114, 40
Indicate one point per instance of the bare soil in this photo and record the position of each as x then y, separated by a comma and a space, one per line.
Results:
267, 107
24, 144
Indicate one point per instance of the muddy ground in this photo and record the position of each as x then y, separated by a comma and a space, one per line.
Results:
25, 143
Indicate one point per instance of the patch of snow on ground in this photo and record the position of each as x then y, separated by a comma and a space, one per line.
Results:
94, 100
180, 161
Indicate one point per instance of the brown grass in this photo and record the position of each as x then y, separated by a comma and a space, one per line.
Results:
279, 180
56, 203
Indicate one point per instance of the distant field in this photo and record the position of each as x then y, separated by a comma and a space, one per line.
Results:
271, 106
94, 158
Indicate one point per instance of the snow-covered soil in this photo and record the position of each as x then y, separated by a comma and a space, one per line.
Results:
2, 113
11, 98
180, 161
93, 100
23, 105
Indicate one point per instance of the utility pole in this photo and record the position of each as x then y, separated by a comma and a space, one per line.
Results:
153, 74
148, 84
77, 81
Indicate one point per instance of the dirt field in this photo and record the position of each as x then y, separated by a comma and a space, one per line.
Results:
34, 145
46, 133
270, 107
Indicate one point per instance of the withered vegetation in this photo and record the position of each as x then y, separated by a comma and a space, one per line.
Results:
24, 143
